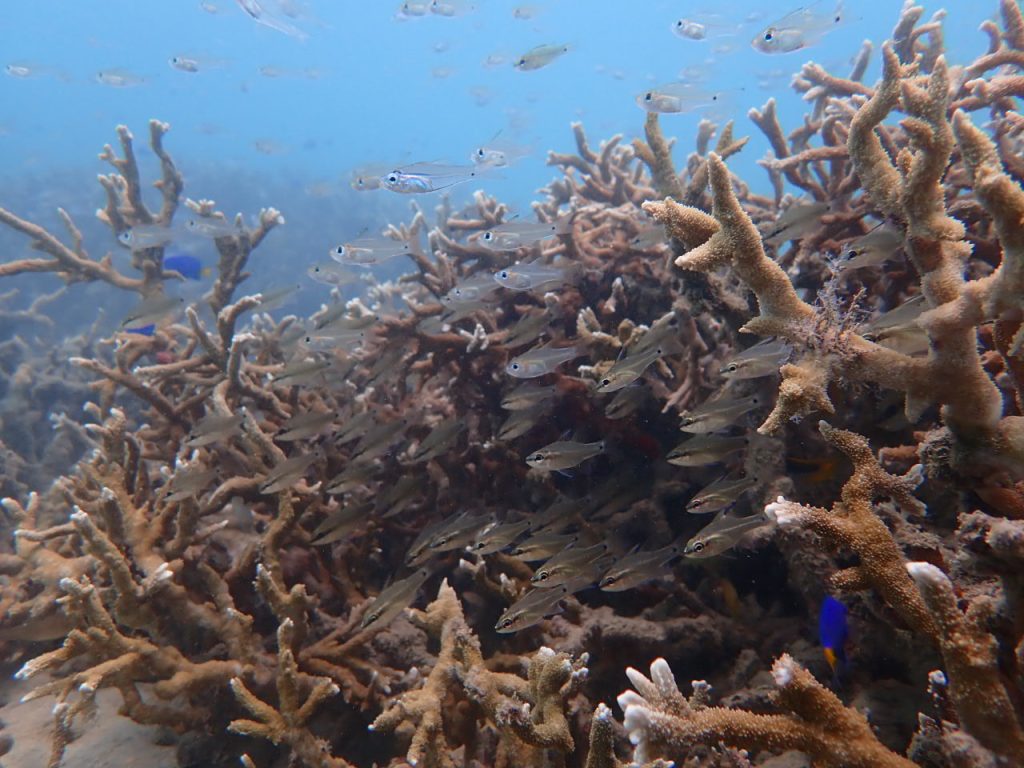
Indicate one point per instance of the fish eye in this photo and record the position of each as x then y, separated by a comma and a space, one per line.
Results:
605, 382
503, 274
480, 152
514, 366
698, 547
648, 96
543, 576
732, 368
769, 35
504, 623
392, 178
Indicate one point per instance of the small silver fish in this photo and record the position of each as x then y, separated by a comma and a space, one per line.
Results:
717, 414
540, 361
422, 178
676, 98
212, 226
532, 608
439, 440
396, 497
412, 11
723, 533
353, 476
143, 236
905, 313
303, 372
720, 494
451, 8
189, 483
541, 546
696, 29
214, 428
524, 397
354, 428
796, 222
513, 235
528, 328
521, 421
626, 402
288, 473
529, 277
456, 535
495, 538
763, 359
119, 77
800, 29
871, 250
540, 56
278, 297
392, 600
637, 567
632, 367
340, 523
564, 454
369, 251
258, 13
329, 273
152, 310
498, 155
304, 425
470, 290
702, 450
379, 439
568, 564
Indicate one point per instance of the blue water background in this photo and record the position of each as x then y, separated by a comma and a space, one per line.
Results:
364, 88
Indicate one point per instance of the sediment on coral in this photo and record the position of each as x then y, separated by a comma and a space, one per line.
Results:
260, 502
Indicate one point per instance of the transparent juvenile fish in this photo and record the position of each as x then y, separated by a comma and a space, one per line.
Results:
698, 29
541, 546
210, 226
528, 328
637, 567
470, 290
438, 440
259, 12
763, 359
568, 564
496, 537
392, 600
397, 496
540, 361
338, 315
904, 314
194, 64
796, 222
379, 439
523, 397
522, 421
288, 473
564, 454
525, 12
329, 273
355, 427
529, 277
143, 236
632, 367
451, 8
513, 235
214, 428
304, 425
676, 98
723, 533
422, 541
559, 515
340, 523
278, 297
872, 250
498, 155
540, 56
626, 402
532, 608
368, 251
421, 178
152, 310
649, 235
368, 178
353, 476
717, 414
801, 28
411, 10
720, 494
702, 450
188, 484
303, 372
118, 77
456, 534
663, 332
910, 339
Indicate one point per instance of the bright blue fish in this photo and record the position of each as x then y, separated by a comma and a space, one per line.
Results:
144, 330
190, 267
832, 631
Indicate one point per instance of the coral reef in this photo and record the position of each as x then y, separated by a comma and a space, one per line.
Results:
257, 503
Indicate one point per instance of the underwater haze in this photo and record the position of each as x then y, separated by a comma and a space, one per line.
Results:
569, 383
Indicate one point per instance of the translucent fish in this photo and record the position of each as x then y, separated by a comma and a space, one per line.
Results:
702, 450
354, 427
470, 290
723, 533
529, 277
632, 367
872, 250
568, 564
369, 251
637, 567
523, 397
800, 29
497, 537
278, 297
910, 339
262, 14
353, 476
720, 494
439, 440
456, 534
152, 310
626, 402
700, 29
394, 497
411, 10
513, 235
451, 8
211, 226
525, 12
531, 609
119, 77
337, 315
675, 98
717, 414
498, 154
540, 361
559, 515
796, 222
832, 632
368, 178
340, 523
303, 426
649, 235
379, 439
905, 313
522, 421
393, 600
541, 546
663, 332
527, 329
564, 454
763, 359
330, 273
422, 178
189, 484
214, 428
288, 473
194, 64
143, 236
303, 372
540, 56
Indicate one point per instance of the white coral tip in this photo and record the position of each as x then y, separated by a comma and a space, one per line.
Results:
602, 712
629, 699
783, 670
926, 574
636, 677
662, 677
784, 512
